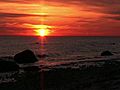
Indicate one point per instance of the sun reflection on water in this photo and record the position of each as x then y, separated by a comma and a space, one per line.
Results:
42, 51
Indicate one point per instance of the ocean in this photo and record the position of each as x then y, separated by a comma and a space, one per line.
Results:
60, 49
70, 63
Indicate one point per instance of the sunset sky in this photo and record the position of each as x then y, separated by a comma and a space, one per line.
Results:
60, 17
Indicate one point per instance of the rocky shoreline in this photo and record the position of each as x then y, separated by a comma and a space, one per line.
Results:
103, 75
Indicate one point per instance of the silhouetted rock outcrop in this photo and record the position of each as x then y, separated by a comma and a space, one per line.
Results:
26, 56
106, 53
7, 66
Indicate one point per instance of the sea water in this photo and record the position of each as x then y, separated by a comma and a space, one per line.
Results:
60, 49
60, 52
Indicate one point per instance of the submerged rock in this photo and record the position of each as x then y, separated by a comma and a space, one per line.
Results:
31, 68
37, 43
7, 58
43, 56
106, 53
7, 66
26, 56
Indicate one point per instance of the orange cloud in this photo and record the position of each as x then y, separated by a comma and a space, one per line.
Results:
71, 17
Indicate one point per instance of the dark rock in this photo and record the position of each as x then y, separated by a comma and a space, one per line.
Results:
43, 56
113, 43
7, 66
37, 43
26, 56
7, 58
31, 68
106, 53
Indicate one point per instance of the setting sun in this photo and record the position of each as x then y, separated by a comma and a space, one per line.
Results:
42, 32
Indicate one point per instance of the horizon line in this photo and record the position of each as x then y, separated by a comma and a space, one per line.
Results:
65, 35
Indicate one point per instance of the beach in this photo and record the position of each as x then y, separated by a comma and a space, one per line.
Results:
75, 65
59, 44
100, 76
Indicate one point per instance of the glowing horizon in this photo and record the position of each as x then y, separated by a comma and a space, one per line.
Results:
42, 30
60, 17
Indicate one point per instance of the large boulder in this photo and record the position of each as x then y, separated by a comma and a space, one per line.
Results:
7, 66
106, 53
26, 56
